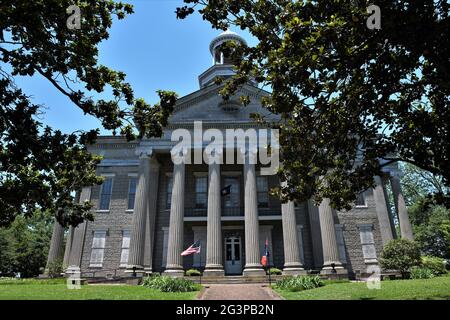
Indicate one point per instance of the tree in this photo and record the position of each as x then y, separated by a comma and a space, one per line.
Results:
39, 166
431, 225
348, 95
25, 243
418, 184
401, 255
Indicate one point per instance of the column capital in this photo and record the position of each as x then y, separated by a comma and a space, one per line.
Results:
249, 154
213, 155
144, 152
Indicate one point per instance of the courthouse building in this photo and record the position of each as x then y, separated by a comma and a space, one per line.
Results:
148, 209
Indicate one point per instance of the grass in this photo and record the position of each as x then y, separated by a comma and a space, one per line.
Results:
423, 289
57, 290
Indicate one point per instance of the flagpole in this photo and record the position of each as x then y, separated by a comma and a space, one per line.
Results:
201, 272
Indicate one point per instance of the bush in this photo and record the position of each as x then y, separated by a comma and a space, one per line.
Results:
421, 273
193, 273
169, 284
275, 271
298, 283
401, 255
435, 264
55, 268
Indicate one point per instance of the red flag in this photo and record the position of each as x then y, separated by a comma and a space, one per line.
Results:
264, 261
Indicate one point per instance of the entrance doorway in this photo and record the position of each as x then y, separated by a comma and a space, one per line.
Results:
233, 255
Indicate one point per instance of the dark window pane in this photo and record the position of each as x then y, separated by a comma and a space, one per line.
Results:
132, 193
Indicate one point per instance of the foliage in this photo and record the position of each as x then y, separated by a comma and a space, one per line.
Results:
40, 167
401, 255
421, 273
417, 184
56, 289
435, 264
298, 283
426, 289
169, 284
275, 271
193, 272
348, 96
55, 268
25, 245
431, 224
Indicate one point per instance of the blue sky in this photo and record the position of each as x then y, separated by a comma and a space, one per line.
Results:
152, 47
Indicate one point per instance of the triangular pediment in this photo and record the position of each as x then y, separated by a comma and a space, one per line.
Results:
208, 106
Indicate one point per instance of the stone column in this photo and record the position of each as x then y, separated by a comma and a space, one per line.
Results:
55, 252
79, 234
382, 211
385, 179
137, 241
174, 266
253, 266
214, 263
292, 263
67, 248
314, 222
151, 215
329, 242
400, 205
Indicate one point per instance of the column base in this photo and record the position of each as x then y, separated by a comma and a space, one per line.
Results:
253, 271
148, 270
73, 272
294, 271
213, 272
175, 272
338, 269
139, 270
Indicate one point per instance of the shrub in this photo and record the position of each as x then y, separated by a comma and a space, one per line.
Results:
401, 255
193, 272
55, 268
169, 284
435, 264
421, 273
298, 283
275, 271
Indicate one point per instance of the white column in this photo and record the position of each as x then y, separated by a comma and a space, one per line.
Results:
174, 266
139, 223
55, 253
253, 266
382, 211
329, 242
79, 233
292, 263
214, 259
400, 205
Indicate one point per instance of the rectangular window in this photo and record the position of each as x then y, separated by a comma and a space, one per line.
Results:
367, 243
105, 194
169, 192
262, 187
360, 200
126, 235
232, 199
132, 192
201, 192
98, 249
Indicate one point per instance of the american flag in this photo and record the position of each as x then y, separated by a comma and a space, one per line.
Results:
195, 248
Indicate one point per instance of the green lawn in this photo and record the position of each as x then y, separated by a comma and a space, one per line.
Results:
57, 290
436, 288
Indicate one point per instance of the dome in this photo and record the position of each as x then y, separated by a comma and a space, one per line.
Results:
223, 37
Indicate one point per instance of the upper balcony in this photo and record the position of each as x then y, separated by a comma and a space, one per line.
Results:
231, 213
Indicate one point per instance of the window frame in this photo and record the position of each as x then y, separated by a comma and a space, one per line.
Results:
264, 193
130, 179
199, 205
122, 263
94, 248
106, 176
